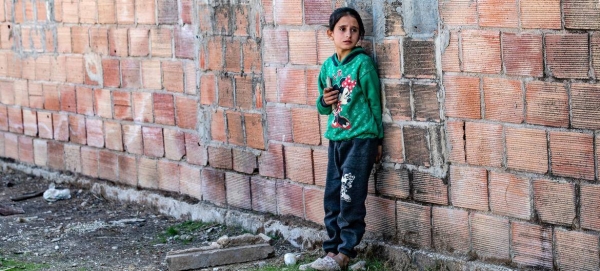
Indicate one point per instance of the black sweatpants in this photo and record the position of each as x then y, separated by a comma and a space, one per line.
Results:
348, 169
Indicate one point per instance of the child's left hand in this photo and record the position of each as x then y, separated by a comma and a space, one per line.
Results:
379, 154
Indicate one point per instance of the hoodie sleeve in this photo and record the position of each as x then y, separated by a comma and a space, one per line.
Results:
369, 82
322, 107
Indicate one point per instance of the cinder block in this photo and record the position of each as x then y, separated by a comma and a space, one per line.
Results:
468, 187
510, 195
197, 258
575, 158
554, 202
547, 104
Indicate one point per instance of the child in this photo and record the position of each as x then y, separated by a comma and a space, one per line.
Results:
350, 95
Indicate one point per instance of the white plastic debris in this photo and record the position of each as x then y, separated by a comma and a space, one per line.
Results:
53, 194
290, 258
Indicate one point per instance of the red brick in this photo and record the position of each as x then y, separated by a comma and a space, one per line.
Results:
305, 126
207, 89
325, 47
147, 173
60, 123
77, 133
30, 122
113, 135
36, 95
491, 236
95, 132
153, 141
381, 217
191, 80
312, 88
217, 126
161, 39
49, 42
279, 123
70, 11
270, 162
187, 6
99, 40
128, 170
264, 197
11, 145
532, 245
575, 250
388, 59
251, 52
190, 182
167, 11
40, 152
26, 150
244, 161
117, 41
554, 202
174, 144
172, 76
151, 74
427, 107
451, 230
581, 14
522, 54
17, 66
213, 187
80, 39
106, 12
72, 157
85, 105
595, 44
75, 68
526, 149
298, 164
142, 107
56, 156
498, 14
590, 217
287, 12
303, 47
51, 97
28, 66
130, 73
88, 12
458, 12
316, 12
271, 87
414, 224
108, 165
503, 100
45, 124
7, 92
463, 98
184, 41
220, 157
481, 51
196, 153
567, 55
544, 14
214, 49
238, 190
416, 145
89, 162
254, 131
168, 176
455, 132
233, 57
292, 85
547, 104
122, 105
58, 71
468, 187
275, 41
419, 58
484, 144
4, 118
243, 92
427, 188
125, 11
187, 112
575, 159
111, 72
21, 93
42, 68
138, 42
584, 104
164, 108
393, 182
63, 39
313, 205
320, 160
510, 195
241, 22
102, 103
225, 90
15, 120
290, 199
132, 139
145, 12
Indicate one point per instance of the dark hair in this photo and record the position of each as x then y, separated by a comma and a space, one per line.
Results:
341, 12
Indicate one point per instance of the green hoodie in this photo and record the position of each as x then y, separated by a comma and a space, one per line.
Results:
357, 114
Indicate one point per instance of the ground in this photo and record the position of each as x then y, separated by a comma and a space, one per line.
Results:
87, 232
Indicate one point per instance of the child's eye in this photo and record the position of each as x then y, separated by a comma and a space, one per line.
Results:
342, 29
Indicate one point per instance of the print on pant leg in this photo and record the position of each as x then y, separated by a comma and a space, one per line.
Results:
346, 184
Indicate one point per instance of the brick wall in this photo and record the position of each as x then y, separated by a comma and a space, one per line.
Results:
490, 111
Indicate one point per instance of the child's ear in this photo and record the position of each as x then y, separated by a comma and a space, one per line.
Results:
330, 34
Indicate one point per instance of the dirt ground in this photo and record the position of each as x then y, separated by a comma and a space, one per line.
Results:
87, 232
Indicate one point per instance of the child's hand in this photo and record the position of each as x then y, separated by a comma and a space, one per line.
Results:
330, 96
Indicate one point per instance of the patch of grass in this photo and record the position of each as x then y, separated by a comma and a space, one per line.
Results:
184, 228
11, 264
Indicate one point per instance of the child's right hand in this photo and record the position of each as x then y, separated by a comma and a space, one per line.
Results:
330, 96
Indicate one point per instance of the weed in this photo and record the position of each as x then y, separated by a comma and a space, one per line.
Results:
11, 264
184, 228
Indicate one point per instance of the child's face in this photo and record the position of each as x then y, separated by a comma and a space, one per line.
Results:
345, 35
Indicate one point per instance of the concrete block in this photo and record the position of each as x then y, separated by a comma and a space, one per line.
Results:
200, 258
